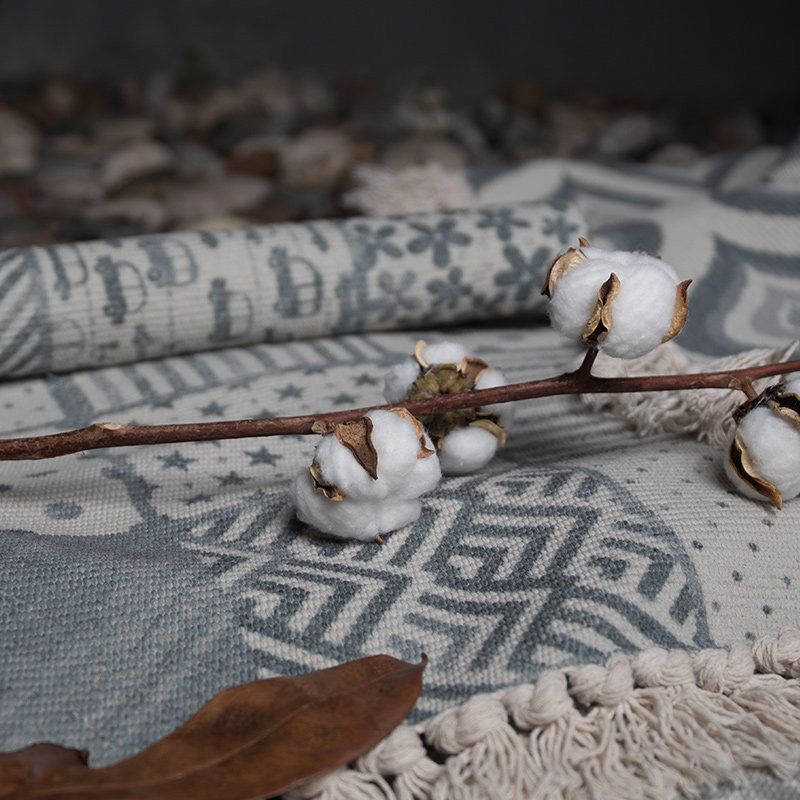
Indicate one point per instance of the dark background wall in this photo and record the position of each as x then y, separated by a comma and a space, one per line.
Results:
744, 52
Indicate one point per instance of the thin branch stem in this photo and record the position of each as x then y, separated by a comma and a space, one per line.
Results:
746, 385
583, 375
581, 381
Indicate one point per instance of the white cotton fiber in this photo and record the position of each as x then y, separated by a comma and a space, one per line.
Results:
445, 353
466, 450
351, 519
370, 506
395, 441
575, 296
628, 258
424, 476
773, 447
491, 378
641, 312
399, 380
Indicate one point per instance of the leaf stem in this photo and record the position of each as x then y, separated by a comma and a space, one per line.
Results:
580, 381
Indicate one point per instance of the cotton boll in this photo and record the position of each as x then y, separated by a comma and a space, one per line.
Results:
466, 450
642, 306
641, 312
352, 519
338, 467
445, 353
399, 380
772, 447
575, 296
396, 444
339, 496
491, 378
436, 376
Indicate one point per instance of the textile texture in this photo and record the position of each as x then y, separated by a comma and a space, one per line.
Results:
135, 583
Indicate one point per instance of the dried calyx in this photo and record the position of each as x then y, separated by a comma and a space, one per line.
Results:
625, 303
763, 459
442, 379
563, 264
466, 440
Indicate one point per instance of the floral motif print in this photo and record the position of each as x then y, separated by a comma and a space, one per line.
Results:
525, 275
373, 241
447, 292
438, 238
503, 220
559, 226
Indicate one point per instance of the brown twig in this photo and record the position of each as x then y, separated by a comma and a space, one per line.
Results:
581, 381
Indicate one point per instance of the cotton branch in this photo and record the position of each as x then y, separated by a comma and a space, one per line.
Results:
580, 381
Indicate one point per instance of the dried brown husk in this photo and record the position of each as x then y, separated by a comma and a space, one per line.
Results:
438, 380
562, 265
681, 310
471, 369
419, 353
743, 466
356, 436
787, 405
443, 379
599, 323
328, 489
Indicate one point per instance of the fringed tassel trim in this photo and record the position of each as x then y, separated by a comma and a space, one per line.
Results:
662, 724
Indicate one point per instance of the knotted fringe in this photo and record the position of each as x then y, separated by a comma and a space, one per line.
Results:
706, 413
662, 724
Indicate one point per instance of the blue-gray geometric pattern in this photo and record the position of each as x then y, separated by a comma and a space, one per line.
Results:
135, 583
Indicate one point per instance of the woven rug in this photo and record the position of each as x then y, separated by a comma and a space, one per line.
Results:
587, 586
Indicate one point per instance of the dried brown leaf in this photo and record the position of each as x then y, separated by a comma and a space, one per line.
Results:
357, 438
28, 764
256, 740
